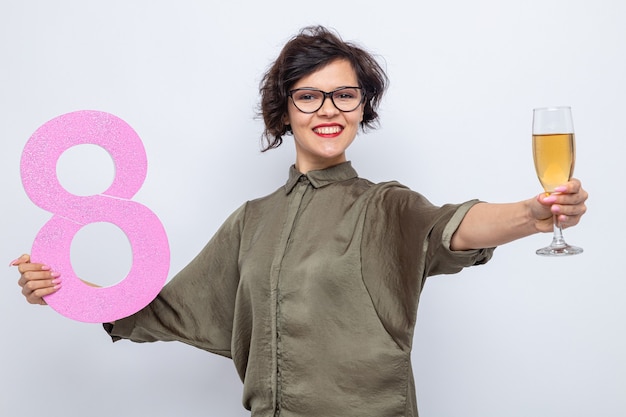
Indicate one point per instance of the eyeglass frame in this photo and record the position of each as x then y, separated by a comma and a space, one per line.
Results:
327, 94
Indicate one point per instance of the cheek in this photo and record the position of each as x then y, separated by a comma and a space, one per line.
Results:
358, 117
295, 118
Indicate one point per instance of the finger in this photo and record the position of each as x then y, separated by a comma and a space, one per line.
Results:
578, 195
569, 210
32, 286
37, 276
569, 215
34, 291
568, 221
37, 297
573, 186
25, 258
23, 268
574, 199
546, 199
568, 204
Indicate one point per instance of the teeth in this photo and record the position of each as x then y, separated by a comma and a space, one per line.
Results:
330, 130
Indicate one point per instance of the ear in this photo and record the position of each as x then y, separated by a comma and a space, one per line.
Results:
286, 119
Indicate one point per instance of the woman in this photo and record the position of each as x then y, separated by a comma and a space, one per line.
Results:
313, 289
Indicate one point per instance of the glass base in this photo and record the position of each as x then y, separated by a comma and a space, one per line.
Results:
559, 250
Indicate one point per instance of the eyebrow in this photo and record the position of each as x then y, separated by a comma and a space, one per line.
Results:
316, 88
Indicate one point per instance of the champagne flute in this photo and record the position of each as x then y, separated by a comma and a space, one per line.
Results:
554, 153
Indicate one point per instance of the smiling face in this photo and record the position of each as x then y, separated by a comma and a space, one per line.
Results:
321, 138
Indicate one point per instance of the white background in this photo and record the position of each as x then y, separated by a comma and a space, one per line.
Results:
521, 336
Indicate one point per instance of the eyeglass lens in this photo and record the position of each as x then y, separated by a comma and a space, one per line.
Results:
345, 99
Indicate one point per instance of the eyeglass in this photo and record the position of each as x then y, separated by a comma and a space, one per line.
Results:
310, 100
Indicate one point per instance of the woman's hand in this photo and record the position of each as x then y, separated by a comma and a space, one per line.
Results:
36, 280
567, 202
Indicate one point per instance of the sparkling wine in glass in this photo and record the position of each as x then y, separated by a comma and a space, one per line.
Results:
554, 153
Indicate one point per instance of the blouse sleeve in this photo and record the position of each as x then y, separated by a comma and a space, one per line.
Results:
406, 239
197, 306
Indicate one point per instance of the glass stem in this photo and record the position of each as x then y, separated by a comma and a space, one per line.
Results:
557, 239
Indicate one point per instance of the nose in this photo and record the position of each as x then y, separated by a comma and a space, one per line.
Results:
328, 107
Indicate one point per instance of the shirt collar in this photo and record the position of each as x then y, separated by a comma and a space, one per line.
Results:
322, 177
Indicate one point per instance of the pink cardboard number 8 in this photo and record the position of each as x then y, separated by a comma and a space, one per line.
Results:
148, 240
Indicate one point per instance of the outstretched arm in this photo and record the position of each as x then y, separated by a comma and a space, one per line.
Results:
488, 225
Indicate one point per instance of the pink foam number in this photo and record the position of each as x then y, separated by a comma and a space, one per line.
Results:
148, 240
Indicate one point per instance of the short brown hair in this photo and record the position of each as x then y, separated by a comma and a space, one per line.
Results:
311, 49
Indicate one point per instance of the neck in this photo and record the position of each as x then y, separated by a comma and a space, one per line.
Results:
306, 166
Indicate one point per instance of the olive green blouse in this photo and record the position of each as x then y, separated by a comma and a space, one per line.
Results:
313, 292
